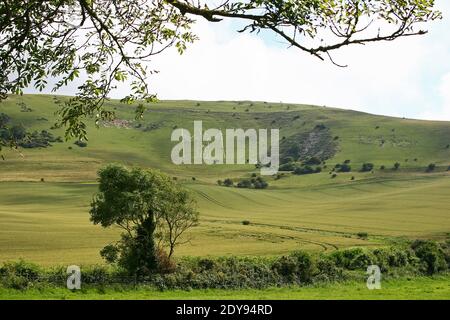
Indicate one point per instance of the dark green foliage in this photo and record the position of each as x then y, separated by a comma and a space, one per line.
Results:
4, 119
312, 161
19, 275
304, 170
245, 222
367, 167
257, 183
396, 166
228, 182
334, 175
431, 167
138, 201
244, 184
362, 235
422, 257
81, 144
290, 166
431, 255
344, 168
382, 167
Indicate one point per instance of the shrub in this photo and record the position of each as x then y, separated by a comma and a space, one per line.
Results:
193, 179
396, 166
382, 167
312, 161
334, 176
305, 266
431, 167
219, 182
304, 170
228, 182
362, 235
244, 184
431, 256
19, 275
344, 168
245, 222
367, 167
81, 144
290, 166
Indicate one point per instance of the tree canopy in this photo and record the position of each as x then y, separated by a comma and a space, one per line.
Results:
110, 41
149, 207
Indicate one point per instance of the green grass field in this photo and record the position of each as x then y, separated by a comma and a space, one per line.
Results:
48, 222
425, 288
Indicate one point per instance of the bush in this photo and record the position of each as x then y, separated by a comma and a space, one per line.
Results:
19, 275
245, 222
228, 182
396, 166
367, 167
344, 168
304, 170
244, 184
431, 256
290, 166
431, 167
81, 144
312, 161
362, 235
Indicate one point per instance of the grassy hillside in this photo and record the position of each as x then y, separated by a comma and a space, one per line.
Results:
48, 222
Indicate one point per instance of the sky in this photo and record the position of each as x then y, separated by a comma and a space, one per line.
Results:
408, 77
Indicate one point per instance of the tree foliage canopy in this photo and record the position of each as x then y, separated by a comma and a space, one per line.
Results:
110, 41
147, 205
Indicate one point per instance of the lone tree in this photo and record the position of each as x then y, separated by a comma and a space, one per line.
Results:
111, 41
149, 207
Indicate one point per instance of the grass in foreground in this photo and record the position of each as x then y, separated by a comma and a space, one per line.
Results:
422, 288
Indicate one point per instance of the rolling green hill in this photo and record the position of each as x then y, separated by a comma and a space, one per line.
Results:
45, 192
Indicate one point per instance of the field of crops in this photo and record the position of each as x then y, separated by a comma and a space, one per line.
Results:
45, 192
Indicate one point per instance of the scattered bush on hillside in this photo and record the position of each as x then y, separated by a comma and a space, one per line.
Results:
367, 167
431, 167
228, 182
81, 144
396, 166
245, 222
4, 119
312, 161
344, 168
257, 183
244, 184
334, 176
287, 167
362, 235
304, 170
382, 167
